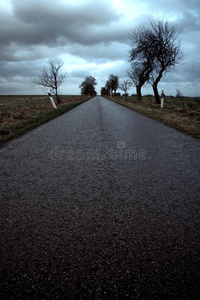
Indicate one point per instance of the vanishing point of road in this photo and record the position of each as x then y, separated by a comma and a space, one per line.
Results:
100, 203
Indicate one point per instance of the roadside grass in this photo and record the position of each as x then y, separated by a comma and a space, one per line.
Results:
180, 113
13, 125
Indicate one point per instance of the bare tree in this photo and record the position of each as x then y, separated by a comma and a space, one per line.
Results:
139, 74
113, 83
108, 88
155, 51
167, 51
141, 58
88, 86
51, 78
125, 86
179, 93
104, 91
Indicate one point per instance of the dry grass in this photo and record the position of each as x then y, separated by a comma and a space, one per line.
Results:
22, 106
20, 114
184, 117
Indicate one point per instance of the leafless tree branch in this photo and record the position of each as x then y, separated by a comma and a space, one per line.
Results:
51, 77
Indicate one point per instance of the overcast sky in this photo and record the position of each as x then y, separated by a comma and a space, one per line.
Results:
91, 37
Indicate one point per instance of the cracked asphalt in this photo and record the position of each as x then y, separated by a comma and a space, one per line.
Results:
100, 203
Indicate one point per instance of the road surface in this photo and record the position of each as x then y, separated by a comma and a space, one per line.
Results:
100, 203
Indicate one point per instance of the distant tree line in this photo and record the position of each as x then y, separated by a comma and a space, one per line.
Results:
154, 51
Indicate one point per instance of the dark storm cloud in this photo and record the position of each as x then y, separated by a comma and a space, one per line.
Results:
191, 70
81, 73
43, 12
10, 69
56, 23
91, 36
102, 52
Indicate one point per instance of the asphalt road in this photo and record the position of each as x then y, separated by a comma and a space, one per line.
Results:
100, 203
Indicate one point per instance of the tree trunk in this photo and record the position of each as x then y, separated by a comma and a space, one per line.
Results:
155, 86
57, 97
138, 90
155, 89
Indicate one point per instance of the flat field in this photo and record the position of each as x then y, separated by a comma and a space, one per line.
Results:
20, 114
17, 104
